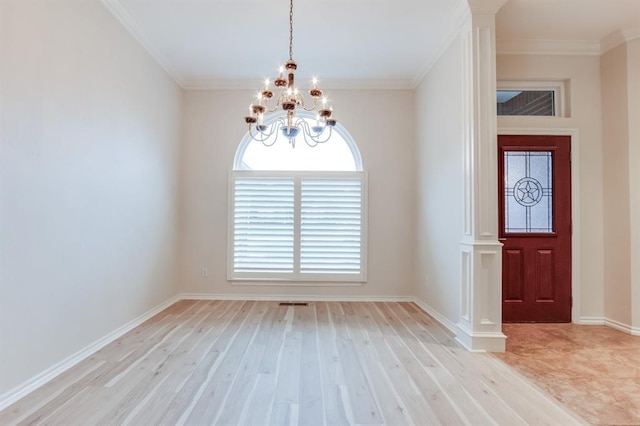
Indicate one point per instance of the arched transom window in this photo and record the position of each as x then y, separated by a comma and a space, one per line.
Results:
298, 214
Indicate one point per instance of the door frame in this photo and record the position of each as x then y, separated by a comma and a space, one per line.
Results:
575, 202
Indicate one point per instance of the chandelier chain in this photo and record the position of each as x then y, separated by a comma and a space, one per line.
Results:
291, 30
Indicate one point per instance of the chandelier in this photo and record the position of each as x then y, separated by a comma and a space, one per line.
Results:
290, 100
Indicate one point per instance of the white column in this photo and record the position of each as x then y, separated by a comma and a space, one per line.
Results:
480, 325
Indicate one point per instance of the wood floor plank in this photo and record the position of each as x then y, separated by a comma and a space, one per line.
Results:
391, 382
440, 349
360, 393
260, 402
288, 374
479, 376
126, 389
246, 379
332, 371
185, 363
258, 363
134, 343
209, 404
259, 406
332, 374
448, 384
311, 409
36, 405
409, 355
210, 359
159, 363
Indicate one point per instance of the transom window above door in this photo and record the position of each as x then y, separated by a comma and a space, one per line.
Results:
527, 98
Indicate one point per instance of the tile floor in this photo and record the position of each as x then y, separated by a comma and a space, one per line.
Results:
593, 370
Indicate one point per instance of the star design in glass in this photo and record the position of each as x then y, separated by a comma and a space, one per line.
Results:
529, 193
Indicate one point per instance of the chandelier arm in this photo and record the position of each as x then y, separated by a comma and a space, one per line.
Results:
275, 129
317, 139
313, 107
329, 135
263, 137
278, 125
281, 98
308, 139
309, 134
311, 143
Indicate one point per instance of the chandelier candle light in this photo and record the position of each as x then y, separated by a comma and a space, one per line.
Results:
290, 99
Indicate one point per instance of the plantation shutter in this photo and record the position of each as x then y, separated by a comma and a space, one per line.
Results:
331, 226
297, 226
263, 225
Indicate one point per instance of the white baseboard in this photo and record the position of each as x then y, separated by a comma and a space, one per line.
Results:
436, 315
625, 328
592, 321
39, 380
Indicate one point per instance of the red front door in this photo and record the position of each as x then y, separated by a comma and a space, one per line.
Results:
535, 227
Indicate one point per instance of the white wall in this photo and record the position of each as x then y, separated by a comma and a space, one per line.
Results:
621, 134
633, 82
615, 119
89, 131
439, 157
381, 123
583, 75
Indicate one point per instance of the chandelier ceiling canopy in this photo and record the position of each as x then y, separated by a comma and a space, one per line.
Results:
290, 100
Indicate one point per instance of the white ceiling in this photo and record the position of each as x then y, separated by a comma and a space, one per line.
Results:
382, 43
203, 41
582, 26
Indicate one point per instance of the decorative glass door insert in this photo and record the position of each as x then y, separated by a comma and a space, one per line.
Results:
528, 192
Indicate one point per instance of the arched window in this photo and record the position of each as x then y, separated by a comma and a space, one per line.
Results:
340, 153
298, 213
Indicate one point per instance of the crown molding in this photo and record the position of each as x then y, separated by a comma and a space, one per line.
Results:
612, 41
120, 13
485, 7
633, 34
460, 19
327, 84
567, 47
617, 38
547, 47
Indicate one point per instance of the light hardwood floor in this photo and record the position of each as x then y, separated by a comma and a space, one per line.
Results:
255, 363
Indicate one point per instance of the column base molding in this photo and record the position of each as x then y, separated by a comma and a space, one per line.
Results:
481, 341
480, 324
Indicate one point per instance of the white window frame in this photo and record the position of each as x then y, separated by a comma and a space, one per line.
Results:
296, 276
555, 86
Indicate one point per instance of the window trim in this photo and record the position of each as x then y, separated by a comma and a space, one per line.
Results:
556, 86
296, 277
